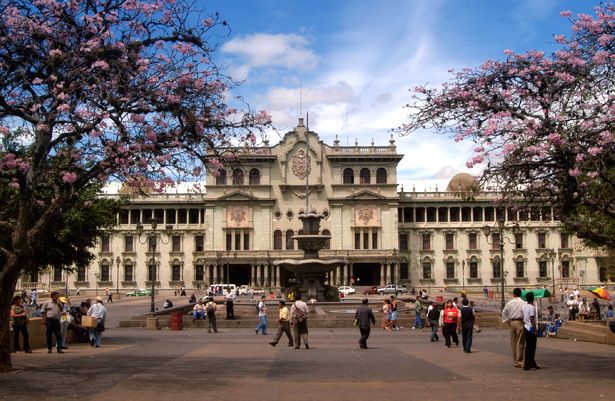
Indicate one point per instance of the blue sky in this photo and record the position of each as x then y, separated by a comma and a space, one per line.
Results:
356, 60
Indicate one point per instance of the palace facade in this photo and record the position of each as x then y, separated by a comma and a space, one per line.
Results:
233, 229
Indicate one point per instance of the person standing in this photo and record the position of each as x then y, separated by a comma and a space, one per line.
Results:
50, 312
283, 325
468, 317
394, 314
210, 310
262, 316
365, 318
98, 312
20, 324
531, 332
230, 298
451, 323
110, 296
66, 319
418, 308
573, 307
433, 317
513, 315
486, 291
385, 324
33, 298
299, 315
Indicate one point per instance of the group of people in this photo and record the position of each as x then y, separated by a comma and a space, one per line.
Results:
389, 314
206, 308
58, 316
296, 319
521, 317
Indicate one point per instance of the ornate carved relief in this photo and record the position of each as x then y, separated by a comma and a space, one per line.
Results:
367, 216
301, 164
239, 216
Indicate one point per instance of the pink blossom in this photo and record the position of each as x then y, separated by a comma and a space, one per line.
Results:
565, 13
592, 174
560, 39
574, 172
594, 151
508, 52
14, 183
555, 138
100, 64
55, 53
137, 118
69, 177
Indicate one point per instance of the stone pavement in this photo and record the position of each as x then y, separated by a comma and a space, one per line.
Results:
236, 364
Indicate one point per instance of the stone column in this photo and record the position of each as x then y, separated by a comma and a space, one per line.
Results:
277, 283
388, 273
258, 274
397, 272
215, 278
266, 277
350, 272
337, 276
252, 275
382, 282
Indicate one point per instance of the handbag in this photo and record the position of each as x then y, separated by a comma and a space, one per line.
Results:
355, 321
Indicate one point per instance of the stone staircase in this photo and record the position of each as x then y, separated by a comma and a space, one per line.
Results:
589, 331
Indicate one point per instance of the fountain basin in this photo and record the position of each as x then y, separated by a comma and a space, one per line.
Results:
309, 266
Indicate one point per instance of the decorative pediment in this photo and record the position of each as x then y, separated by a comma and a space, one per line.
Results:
366, 195
237, 196
239, 217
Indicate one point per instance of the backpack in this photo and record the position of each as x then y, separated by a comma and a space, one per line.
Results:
210, 308
299, 315
434, 314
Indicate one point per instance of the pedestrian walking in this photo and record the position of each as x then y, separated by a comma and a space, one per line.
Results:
299, 316
418, 308
468, 316
230, 298
210, 310
33, 295
385, 324
513, 315
262, 316
364, 318
451, 323
19, 316
433, 317
98, 312
283, 325
110, 296
531, 332
394, 313
50, 312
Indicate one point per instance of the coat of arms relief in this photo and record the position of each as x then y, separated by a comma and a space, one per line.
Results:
301, 164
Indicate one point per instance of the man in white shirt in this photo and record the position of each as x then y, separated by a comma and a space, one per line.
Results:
230, 298
299, 315
99, 312
531, 332
513, 315
262, 317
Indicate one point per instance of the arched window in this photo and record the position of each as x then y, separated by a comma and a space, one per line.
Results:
348, 176
255, 177
221, 178
365, 176
277, 239
290, 244
328, 241
238, 176
381, 176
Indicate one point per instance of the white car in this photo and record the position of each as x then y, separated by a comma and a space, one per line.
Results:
346, 290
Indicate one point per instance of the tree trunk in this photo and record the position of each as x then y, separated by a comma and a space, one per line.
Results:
8, 281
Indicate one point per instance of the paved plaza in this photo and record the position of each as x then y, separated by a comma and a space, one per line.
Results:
236, 364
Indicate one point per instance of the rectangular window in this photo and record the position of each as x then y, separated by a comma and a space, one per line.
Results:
81, 273
519, 241
170, 214
420, 214
129, 243
246, 241
546, 214
365, 240
104, 273
497, 272
565, 269
159, 216
403, 242
237, 241
477, 214
473, 269
194, 216
495, 241
431, 214
449, 239
442, 214
403, 271
542, 268
135, 216
542, 240
534, 214
409, 214
182, 216
151, 272
128, 273
512, 214
520, 269
229, 241
454, 212
426, 270
450, 270
147, 216
523, 215
175, 273
357, 241
199, 243
124, 216
466, 214
199, 273
564, 241
105, 243
489, 214
374, 240
472, 241
426, 242
57, 273
177, 243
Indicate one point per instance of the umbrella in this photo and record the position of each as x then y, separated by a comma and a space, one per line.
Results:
538, 293
600, 292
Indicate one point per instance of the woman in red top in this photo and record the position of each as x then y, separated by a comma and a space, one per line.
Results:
451, 323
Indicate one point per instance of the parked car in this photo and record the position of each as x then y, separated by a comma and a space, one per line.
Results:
141, 292
393, 289
346, 290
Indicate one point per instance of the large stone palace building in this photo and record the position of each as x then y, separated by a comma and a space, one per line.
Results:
233, 229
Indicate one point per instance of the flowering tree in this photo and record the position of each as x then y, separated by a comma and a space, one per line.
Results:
92, 90
544, 126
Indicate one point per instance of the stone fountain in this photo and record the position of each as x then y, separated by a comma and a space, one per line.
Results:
311, 271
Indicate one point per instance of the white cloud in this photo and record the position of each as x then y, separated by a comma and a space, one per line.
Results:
271, 50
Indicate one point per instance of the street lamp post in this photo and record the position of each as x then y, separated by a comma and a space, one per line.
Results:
118, 261
463, 275
96, 276
551, 255
152, 241
500, 229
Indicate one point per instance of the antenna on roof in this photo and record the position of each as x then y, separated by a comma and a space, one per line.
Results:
300, 99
